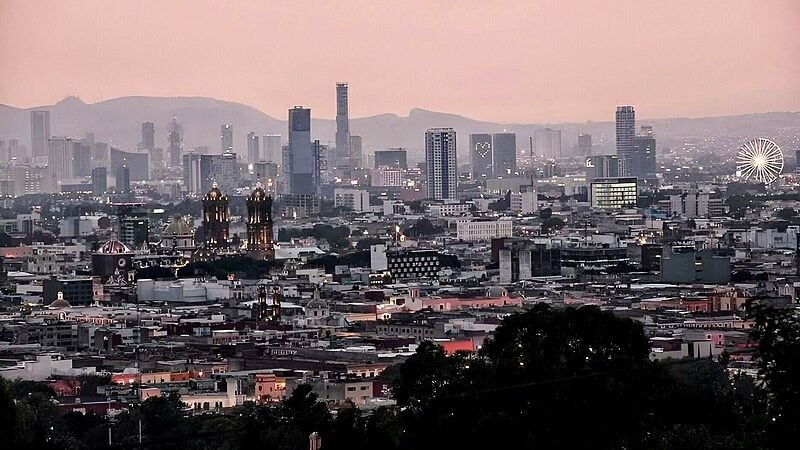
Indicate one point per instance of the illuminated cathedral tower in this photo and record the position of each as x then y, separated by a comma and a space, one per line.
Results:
215, 218
259, 222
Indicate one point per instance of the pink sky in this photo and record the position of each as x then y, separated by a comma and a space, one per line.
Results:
514, 61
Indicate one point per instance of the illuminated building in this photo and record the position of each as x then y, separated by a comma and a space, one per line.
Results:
215, 218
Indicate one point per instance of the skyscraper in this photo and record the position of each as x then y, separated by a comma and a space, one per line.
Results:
301, 160
440, 159
148, 136
99, 181
342, 126
272, 148
215, 218
356, 153
504, 153
226, 137
40, 133
253, 148
480, 147
642, 159
60, 158
547, 143
175, 138
626, 129
584, 144
224, 170
192, 175
123, 180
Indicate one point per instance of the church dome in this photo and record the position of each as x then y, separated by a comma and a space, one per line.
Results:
215, 193
114, 247
258, 193
59, 303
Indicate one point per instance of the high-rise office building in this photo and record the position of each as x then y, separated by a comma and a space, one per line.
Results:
123, 180
626, 130
504, 154
302, 163
175, 140
642, 158
547, 143
99, 181
192, 175
480, 147
223, 169
356, 153
137, 163
602, 166
226, 138
60, 158
272, 148
81, 159
148, 136
259, 222
613, 193
253, 148
394, 157
215, 218
342, 126
40, 133
584, 145
440, 159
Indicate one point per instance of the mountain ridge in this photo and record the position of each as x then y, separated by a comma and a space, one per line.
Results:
119, 120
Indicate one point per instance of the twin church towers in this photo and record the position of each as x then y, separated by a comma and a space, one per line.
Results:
216, 222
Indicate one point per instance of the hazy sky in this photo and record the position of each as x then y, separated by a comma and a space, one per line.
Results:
523, 61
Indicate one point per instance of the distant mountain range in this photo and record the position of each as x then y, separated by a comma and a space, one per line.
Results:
118, 121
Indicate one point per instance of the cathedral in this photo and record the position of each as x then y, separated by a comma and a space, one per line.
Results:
259, 223
215, 219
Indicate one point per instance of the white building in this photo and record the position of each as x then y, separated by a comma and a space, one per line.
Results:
480, 230
387, 176
440, 158
448, 209
691, 204
355, 199
524, 202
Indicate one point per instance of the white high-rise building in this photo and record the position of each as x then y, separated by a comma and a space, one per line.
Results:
272, 150
547, 143
440, 159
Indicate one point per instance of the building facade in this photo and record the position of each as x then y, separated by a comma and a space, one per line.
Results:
440, 159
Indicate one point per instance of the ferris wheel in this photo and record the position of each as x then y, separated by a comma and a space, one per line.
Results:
759, 160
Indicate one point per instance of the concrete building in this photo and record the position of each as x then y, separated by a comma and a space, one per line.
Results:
192, 175
394, 158
253, 148
584, 144
441, 162
686, 265
99, 181
480, 147
625, 132
547, 143
342, 157
643, 154
148, 141
40, 134
483, 230
226, 138
302, 164
613, 193
520, 260
272, 148
504, 154
524, 202
354, 199
602, 166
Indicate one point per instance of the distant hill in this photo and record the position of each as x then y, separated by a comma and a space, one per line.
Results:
119, 120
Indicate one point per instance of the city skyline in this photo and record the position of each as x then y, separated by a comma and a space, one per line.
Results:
685, 65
